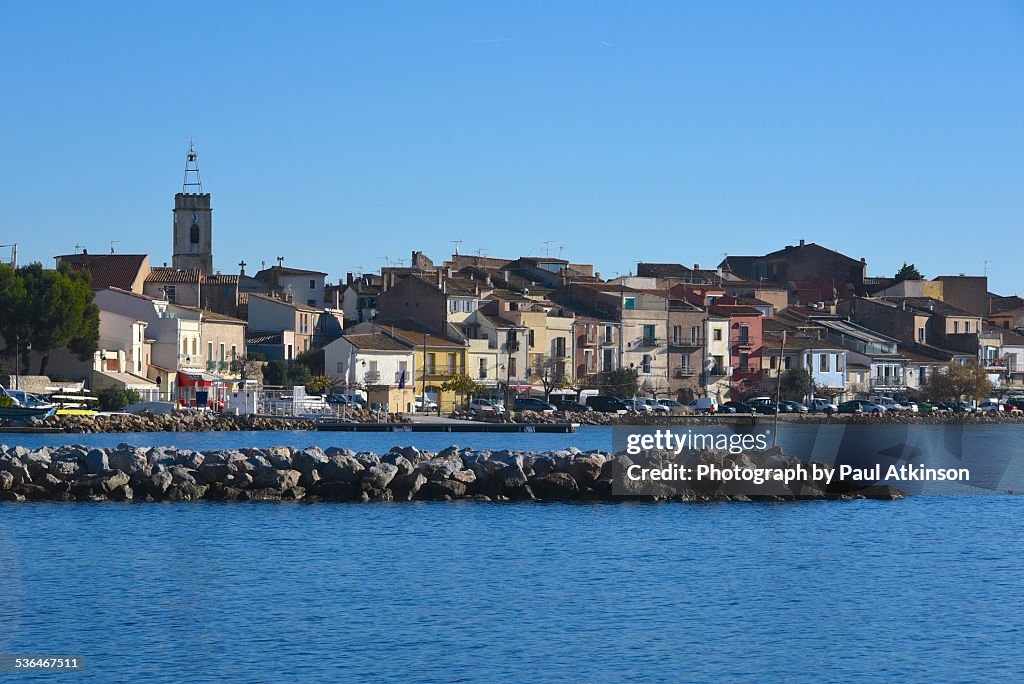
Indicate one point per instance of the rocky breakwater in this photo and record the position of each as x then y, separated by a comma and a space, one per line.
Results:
184, 421
127, 473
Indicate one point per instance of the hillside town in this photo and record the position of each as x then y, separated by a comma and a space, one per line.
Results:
193, 331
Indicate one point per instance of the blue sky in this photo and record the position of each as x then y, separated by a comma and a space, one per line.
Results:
336, 134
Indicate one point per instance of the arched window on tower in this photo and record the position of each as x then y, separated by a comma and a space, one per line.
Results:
194, 235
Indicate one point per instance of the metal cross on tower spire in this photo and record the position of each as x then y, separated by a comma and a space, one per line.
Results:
192, 179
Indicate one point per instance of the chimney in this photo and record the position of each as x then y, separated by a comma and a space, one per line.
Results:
801, 242
440, 280
696, 267
348, 278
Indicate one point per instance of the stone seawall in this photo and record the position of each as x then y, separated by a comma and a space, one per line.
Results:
127, 473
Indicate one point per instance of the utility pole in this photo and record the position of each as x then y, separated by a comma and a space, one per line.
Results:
778, 388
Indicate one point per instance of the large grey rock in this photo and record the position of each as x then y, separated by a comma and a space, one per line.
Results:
186, 491
555, 487
96, 461
214, 472
509, 477
309, 459
14, 466
405, 487
6, 480
158, 483
128, 459
438, 490
276, 479
342, 468
379, 476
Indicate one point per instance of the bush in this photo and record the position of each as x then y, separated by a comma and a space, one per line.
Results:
6, 402
114, 398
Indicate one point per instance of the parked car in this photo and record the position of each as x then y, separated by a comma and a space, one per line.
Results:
645, 405
531, 404
566, 403
670, 404
606, 404
485, 406
764, 405
738, 407
890, 404
795, 407
425, 405
861, 406
819, 405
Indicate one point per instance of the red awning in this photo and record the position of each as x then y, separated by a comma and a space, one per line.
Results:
197, 379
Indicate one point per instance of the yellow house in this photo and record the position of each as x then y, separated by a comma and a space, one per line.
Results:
436, 359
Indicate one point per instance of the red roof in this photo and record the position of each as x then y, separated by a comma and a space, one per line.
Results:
107, 270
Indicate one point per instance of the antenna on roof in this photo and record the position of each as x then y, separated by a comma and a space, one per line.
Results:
280, 261
560, 248
547, 247
480, 251
457, 244
112, 243
387, 261
192, 179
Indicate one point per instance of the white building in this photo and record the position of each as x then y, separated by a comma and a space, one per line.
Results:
381, 364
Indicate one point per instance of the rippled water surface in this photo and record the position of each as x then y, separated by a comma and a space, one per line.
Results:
927, 589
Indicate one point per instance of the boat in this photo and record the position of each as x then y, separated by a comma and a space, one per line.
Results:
25, 405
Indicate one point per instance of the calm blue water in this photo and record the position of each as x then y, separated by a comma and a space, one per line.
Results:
927, 589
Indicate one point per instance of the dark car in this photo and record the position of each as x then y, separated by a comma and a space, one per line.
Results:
766, 406
607, 404
850, 407
566, 403
737, 407
531, 404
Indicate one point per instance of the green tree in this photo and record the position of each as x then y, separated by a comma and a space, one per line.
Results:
908, 272
49, 310
622, 382
797, 383
321, 384
114, 398
462, 385
955, 382
551, 374
313, 359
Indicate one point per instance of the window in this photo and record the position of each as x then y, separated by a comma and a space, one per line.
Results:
451, 364
588, 360
512, 371
403, 366
341, 366
630, 303
193, 236
209, 351
694, 334
184, 346
649, 334
645, 365
608, 361
483, 368
311, 302
744, 361
677, 334
773, 362
823, 364
312, 284
787, 363
222, 356
744, 333
234, 352
560, 347
171, 293
921, 335
431, 363
967, 326
608, 333
718, 335
956, 327
531, 336
453, 305
195, 347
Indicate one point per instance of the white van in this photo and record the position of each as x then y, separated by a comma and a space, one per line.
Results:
703, 405
819, 405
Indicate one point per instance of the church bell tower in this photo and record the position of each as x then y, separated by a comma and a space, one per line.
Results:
193, 220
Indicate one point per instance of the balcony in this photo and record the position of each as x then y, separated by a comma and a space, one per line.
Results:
223, 366
684, 372
687, 342
888, 382
371, 377
646, 342
211, 365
